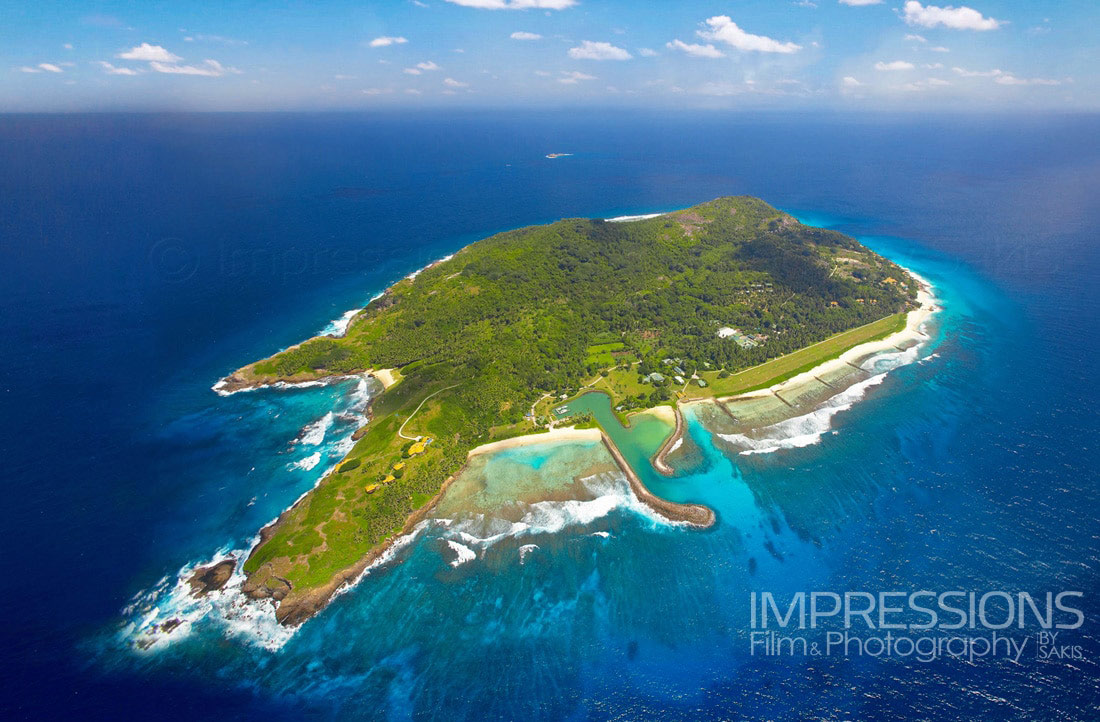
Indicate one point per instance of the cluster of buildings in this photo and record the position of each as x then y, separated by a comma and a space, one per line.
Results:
744, 340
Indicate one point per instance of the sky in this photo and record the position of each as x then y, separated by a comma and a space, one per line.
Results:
247, 55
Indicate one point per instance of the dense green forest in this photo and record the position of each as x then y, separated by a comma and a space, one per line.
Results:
542, 310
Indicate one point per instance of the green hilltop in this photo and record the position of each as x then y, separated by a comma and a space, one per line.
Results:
484, 338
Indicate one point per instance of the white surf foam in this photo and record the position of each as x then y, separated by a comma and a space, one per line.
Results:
308, 463
168, 613
525, 550
313, 434
462, 552
804, 430
628, 219
338, 327
610, 490
418, 271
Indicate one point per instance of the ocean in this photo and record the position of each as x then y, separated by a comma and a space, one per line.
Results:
142, 257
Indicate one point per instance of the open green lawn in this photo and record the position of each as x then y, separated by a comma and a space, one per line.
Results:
622, 384
792, 364
601, 354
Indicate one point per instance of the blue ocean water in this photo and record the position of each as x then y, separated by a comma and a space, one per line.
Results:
143, 257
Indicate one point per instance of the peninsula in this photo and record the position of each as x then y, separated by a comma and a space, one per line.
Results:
725, 297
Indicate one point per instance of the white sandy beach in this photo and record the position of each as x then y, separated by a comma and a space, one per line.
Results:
663, 412
386, 377
566, 433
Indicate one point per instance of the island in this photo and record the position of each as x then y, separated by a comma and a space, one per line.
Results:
495, 342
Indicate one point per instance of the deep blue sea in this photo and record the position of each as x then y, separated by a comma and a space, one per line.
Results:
142, 257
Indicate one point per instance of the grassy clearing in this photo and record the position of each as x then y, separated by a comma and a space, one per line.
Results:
602, 354
785, 367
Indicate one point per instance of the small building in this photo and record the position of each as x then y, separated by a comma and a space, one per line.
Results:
726, 332
399, 466
655, 378
370, 488
679, 379
679, 371
701, 382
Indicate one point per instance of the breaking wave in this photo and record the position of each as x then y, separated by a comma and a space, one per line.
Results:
462, 552
308, 463
802, 430
314, 434
610, 492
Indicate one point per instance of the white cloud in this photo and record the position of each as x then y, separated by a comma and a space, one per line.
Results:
956, 18
894, 65
589, 50
1010, 79
218, 39
412, 91
149, 53
922, 85
68, 46
916, 38
858, 3
29, 69
427, 65
976, 73
723, 29
543, 73
647, 52
696, 50
114, 70
50, 68
412, 71
451, 82
850, 82
208, 69
940, 49
932, 66
387, 40
523, 35
515, 4
575, 76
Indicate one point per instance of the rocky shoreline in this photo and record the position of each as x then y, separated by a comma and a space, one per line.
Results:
660, 459
695, 515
